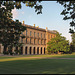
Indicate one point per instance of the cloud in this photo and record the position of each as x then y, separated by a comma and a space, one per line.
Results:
15, 13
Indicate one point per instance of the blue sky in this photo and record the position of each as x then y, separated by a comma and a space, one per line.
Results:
50, 17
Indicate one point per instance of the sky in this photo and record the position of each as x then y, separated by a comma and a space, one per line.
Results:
49, 18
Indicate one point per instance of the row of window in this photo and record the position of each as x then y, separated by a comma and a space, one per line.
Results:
35, 34
35, 40
51, 36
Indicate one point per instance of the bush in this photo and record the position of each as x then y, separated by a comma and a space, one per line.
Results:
20, 52
11, 53
49, 52
16, 51
70, 52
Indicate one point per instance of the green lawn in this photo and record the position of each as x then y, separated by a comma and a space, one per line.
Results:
38, 66
57, 56
24, 65
3, 57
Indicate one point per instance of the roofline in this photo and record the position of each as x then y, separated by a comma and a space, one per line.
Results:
40, 29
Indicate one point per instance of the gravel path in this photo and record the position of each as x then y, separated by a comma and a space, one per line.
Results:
1, 55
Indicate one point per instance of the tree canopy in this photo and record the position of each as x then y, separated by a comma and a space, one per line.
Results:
69, 13
10, 31
72, 44
59, 43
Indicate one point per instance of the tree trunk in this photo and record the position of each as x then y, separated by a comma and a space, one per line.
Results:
5, 49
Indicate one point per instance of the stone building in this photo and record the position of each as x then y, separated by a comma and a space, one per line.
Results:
35, 41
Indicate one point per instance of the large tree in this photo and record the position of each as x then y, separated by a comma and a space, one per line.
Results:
10, 31
72, 44
69, 13
58, 44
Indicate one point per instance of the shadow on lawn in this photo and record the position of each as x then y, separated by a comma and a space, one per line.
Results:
39, 66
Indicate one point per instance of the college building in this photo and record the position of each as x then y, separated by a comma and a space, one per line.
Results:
35, 41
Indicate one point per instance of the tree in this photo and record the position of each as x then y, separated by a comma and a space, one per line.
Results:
58, 44
10, 31
69, 12
72, 44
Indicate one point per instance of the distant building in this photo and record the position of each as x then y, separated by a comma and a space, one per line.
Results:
35, 41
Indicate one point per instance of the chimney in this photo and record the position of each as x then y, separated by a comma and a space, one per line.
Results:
23, 22
34, 25
46, 28
37, 26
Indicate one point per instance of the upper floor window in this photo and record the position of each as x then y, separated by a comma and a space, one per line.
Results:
41, 41
38, 41
30, 40
41, 35
26, 40
34, 41
38, 34
26, 32
34, 34
30, 33
44, 35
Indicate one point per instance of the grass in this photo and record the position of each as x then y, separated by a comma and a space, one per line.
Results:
3, 57
24, 64
57, 56
38, 66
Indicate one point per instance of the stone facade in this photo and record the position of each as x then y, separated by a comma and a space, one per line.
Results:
35, 41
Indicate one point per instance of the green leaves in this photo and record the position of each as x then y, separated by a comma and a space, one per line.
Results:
10, 31
68, 12
34, 4
72, 44
59, 43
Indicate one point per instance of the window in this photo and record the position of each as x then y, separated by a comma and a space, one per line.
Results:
41, 41
38, 34
34, 34
34, 41
41, 35
30, 40
26, 32
38, 41
30, 33
44, 35
26, 40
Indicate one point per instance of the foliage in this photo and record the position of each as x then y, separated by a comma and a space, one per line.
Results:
59, 43
69, 12
10, 31
72, 44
